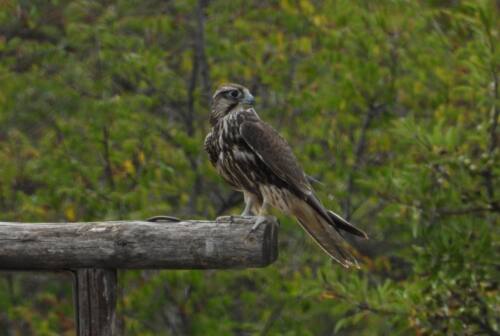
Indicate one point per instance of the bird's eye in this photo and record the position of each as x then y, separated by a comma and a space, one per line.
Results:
234, 93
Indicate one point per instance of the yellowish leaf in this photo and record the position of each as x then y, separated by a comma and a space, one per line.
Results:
129, 167
307, 6
70, 213
141, 157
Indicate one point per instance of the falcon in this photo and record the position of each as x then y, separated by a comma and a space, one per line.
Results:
253, 158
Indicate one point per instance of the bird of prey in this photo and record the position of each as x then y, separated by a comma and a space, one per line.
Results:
254, 159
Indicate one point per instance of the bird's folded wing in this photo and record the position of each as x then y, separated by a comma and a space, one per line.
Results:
275, 152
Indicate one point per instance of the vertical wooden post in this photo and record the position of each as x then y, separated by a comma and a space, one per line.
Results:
95, 301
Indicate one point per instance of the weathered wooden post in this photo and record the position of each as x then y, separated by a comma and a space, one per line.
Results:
94, 251
95, 301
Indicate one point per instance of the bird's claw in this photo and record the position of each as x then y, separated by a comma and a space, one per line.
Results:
259, 221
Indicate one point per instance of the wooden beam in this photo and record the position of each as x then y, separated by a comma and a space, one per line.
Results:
95, 301
137, 244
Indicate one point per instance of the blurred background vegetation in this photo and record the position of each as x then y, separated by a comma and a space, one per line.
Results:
393, 105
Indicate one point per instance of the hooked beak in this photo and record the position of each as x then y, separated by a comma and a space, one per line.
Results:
249, 99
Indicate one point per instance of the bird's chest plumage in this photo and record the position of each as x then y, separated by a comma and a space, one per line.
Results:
233, 158
241, 166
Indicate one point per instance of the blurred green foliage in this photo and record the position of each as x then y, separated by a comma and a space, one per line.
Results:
393, 105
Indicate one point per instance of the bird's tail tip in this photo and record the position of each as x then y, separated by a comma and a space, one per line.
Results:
344, 225
325, 235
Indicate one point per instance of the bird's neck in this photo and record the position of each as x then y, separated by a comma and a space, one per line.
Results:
217, 115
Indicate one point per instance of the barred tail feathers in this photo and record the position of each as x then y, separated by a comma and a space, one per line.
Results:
323, 233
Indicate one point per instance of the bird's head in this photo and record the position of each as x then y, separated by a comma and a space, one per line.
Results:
226, 98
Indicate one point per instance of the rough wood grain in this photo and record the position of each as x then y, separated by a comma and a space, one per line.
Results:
95, 301
137, 244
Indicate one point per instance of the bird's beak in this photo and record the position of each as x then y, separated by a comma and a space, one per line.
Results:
249, 99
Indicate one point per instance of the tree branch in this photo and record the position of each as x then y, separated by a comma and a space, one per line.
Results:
108, 168
359, 151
